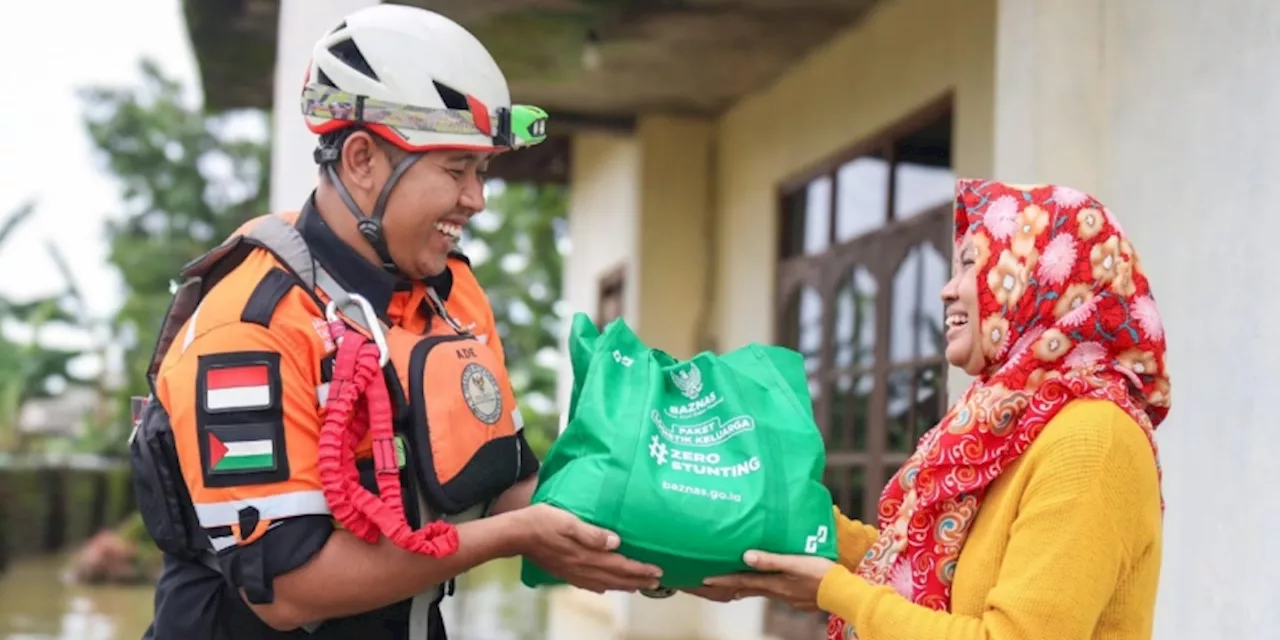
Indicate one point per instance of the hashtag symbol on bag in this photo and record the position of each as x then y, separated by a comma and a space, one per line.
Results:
657, 450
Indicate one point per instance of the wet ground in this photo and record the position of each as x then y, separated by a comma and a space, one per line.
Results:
37, 604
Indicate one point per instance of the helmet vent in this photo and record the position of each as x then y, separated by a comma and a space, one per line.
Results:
349, 53
338, 28
452, 98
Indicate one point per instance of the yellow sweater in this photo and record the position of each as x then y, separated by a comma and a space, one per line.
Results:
1066, 546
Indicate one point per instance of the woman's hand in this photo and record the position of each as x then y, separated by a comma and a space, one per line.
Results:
793, 579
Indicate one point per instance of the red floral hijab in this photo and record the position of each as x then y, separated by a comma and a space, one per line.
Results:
1065, 313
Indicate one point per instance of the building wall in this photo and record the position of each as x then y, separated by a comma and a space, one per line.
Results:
603, 211
1165, 110
302, 22
674, 237
905, 55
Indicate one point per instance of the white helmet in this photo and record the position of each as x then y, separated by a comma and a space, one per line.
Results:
417, 79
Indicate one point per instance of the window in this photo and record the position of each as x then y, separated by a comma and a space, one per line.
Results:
864, 250
611, 294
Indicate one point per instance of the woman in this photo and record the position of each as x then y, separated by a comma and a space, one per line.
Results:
1033, 509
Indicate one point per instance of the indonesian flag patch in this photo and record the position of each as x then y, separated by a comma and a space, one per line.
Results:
237, 388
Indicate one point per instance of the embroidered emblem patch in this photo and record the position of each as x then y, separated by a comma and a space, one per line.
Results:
480, 390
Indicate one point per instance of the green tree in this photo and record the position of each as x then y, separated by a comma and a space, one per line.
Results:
27, 368
187, 181
518, 259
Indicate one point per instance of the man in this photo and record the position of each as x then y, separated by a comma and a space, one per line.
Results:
409, 108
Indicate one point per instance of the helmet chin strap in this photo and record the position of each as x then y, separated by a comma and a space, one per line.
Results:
370, 225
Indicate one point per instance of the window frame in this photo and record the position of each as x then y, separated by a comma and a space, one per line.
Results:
881, 252
611, 285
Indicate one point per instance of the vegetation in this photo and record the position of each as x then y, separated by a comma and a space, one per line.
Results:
518, 256
29, 369
187, 181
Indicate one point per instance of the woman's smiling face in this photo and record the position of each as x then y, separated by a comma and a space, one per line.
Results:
960, 297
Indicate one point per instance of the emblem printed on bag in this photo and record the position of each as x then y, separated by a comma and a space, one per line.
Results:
480, 390
689, 381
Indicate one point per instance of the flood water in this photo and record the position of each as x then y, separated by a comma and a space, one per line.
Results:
37, 604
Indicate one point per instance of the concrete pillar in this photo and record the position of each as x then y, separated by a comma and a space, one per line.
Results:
674, 251
1051, 92
603, 205
302, 22
1049, 101
674, 238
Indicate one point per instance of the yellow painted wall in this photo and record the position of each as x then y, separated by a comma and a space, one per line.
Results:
903, 56
603, 208
674, 239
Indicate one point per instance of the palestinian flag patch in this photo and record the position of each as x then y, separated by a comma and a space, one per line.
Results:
240, 456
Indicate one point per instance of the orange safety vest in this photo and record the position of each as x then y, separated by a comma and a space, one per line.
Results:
231, 441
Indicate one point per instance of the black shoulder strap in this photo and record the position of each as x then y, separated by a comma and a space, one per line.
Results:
266, 297
284, 240
272, 233
196, 283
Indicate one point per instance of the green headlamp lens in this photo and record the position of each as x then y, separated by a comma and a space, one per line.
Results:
528, 125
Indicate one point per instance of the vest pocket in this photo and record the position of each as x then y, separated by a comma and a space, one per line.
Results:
462, 438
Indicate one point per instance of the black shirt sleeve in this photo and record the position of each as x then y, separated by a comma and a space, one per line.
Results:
287, 545
529, 463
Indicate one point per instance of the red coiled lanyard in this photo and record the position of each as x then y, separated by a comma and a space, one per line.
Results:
357, 375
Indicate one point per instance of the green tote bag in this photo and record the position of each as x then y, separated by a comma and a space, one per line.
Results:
691, 462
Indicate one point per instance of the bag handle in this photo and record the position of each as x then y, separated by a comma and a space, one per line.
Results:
620, 344
776, 530
583, 340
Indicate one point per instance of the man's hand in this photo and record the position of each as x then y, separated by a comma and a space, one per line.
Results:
581, 554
